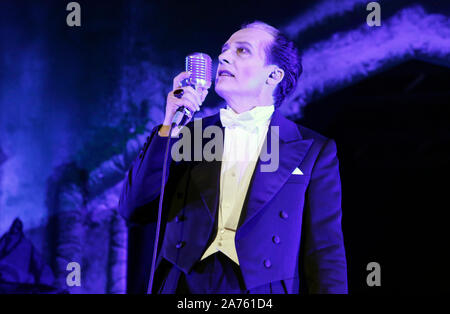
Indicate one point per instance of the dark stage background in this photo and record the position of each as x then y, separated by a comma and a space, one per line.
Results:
77, 103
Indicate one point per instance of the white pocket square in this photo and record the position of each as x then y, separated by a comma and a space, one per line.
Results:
297, 171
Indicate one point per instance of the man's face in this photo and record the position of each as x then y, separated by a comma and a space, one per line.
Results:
242, 71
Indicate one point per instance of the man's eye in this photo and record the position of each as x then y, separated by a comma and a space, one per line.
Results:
241, 50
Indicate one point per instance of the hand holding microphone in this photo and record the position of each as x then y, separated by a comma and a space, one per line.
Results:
190, 89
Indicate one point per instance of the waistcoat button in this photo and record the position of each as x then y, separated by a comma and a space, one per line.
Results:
276, 239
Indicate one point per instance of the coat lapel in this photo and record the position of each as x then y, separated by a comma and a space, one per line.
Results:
292, 150
206, 175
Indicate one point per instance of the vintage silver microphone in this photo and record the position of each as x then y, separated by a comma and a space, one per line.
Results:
200, 66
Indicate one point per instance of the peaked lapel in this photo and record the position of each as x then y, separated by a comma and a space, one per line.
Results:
206, 174
292, 150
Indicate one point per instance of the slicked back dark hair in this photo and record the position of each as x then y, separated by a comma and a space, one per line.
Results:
283, 53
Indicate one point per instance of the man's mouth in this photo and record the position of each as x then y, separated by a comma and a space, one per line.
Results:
225, 73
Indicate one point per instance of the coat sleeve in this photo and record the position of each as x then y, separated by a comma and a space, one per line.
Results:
325, 266
139, 198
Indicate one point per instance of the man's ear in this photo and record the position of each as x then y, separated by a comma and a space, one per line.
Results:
276, 76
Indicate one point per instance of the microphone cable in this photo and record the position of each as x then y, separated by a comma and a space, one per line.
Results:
161, 197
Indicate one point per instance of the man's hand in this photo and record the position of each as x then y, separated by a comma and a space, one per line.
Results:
191, 99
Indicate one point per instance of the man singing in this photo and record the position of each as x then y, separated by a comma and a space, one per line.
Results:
228, 225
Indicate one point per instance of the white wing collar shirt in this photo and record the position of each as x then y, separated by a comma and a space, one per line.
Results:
244, 138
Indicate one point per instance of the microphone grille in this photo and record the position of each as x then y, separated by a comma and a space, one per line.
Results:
200, 65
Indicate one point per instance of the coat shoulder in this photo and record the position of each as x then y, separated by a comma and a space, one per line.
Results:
307, 133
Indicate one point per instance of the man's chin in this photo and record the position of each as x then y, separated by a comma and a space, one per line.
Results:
221, 90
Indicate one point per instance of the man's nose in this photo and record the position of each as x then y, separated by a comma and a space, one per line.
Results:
223, 58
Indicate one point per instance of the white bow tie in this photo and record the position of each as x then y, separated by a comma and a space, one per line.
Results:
249, 120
